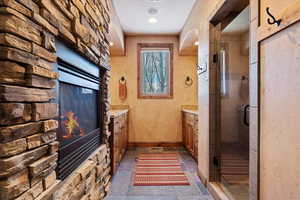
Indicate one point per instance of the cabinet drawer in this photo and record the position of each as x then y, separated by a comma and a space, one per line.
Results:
189, 118
196, 121
122, 120
196, 126
118, 119
116, 127
126, 117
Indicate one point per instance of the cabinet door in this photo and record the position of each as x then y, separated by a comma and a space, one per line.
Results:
279, 110
196, 137
126, 131
190, 136
117, 141
183, 129
123, 140
195, 144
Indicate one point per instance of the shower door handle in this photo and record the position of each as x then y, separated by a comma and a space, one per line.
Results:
245, 115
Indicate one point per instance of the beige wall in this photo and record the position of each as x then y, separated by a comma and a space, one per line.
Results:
206, 11
154, 120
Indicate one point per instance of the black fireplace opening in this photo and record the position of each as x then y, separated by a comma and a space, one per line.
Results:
78, 112
81, 109
80, 116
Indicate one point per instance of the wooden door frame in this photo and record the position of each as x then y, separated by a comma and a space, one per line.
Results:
214, 19
260, 34
257, 35
214, 105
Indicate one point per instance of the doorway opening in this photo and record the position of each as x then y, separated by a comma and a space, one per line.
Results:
234, 107
230, 103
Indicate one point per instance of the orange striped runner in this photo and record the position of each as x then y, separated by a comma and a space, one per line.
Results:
159, 169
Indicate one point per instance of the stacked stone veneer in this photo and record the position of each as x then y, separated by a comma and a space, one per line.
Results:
28, 140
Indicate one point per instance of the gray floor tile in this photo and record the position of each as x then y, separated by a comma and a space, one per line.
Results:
123, 189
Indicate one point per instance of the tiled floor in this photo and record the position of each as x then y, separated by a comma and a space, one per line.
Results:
122, 188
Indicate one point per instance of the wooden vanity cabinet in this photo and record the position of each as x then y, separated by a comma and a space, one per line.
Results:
190, 133
119, 138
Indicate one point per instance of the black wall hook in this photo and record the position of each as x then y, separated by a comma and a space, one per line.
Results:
201, 69
273, 20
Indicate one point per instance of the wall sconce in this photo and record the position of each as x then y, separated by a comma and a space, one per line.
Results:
122, 79
189, 81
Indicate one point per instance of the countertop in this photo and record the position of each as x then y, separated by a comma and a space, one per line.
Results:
192, 111
116, 113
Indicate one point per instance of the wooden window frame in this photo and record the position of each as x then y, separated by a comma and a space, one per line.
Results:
141, 46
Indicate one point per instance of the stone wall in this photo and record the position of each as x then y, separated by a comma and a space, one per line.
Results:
28, 141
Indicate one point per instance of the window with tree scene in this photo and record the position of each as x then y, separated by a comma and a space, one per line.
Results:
155, 71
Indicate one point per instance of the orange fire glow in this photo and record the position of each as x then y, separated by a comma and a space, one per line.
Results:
71, 124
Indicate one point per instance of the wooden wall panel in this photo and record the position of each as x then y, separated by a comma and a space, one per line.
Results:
287, 11
280, 111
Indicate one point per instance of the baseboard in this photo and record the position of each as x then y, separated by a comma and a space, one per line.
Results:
216, 191
155, 144
202, 178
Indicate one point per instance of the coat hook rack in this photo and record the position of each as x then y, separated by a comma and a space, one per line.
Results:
201, 69
273, 20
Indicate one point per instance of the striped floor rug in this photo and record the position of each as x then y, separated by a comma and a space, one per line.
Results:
159, 169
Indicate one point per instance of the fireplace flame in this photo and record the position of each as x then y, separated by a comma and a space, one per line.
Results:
71, 124
81, 132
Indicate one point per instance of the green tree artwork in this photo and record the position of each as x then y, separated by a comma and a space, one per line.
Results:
155, 72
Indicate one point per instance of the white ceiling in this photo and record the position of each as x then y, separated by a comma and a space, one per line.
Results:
171, 15
240, 24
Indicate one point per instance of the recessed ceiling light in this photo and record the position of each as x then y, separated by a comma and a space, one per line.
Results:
111, 44
152, 20
155, 1
152, 11
196, 43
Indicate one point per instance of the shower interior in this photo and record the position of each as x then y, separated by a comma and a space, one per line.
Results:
234, 76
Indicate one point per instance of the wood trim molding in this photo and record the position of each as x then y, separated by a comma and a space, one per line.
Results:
202, 177
216, 191
215, 101
255, 175
140, 46
215, 10
289, 16
155, 144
